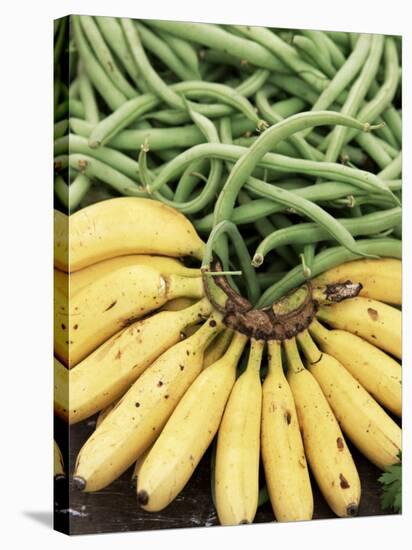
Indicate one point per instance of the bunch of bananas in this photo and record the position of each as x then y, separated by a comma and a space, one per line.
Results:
137, 341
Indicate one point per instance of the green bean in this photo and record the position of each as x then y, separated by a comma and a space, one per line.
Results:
61, 111
392, 170
227, 227
78, 190
288, 107
190, 178
60, 163
219, 39
319, 192
268, 278
246, 164
62, 190
327, 259
60, 41
356, 95
111, 95
306, 233
265, 227
287, 54
61, 146
114, 36
105, 57
87, 97
74, 89
252, 84
272, 117
209, 191
345, 75
328, 46
284, 148
60, 128
184, 50
340, 38
307, 258
393, 121
76, 108
374, 149
372, 109
364, 180
162, 51
135, 108
317, 55
94, 168
295, 86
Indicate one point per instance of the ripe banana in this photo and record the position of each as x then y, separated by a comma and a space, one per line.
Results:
189, 432
61, 240
376, 322
217, 348
142, 412
58, 464
177, 304
104, 413
328, 456
125, 225
61, 283
138, 466
112, 302
381, 278
61, 390
376, 371
108, 372
237, 453
283, 455
163, 264
366, 424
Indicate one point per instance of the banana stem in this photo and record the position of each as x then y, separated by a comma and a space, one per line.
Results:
179, 285
292, 355
255, 355
235, 349
318, 331
275, 357
310, 349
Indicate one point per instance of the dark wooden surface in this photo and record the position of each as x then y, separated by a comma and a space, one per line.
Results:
115, 508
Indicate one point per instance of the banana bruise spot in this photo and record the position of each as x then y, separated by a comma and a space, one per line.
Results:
282, 320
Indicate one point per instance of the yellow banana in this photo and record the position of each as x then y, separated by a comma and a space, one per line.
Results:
381, 278
61, 240
126, 225
238, 442
108, 372
283, 455
328, 456
89, 275
58, 463
138, 466
376, 322
61, 390
142, 412
177, 304
217, 348
61, 282
366, 424
112, 302
189, 432
376, 371
104, 413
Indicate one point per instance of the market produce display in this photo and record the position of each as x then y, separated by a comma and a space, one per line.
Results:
227, 261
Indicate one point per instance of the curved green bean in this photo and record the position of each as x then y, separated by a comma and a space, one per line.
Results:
304, 233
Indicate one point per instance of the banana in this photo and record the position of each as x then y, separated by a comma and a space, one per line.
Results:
326, 451
104, 413
376, 322
177, 304
217, 348
61, 283
283, 455
365, 423
89, 275
112, 302
108, 372
189, 432
61, 390
58, 463
142, 412
125, 225
61, 240
237, 453
381, 279
138, 466
376, 371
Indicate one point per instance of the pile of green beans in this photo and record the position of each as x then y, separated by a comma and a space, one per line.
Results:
283, 147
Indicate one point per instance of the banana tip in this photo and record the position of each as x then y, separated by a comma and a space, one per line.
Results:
59, 478
352, 510
142, 497
244, 522
79, 483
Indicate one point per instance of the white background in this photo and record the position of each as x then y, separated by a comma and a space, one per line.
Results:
26, 269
